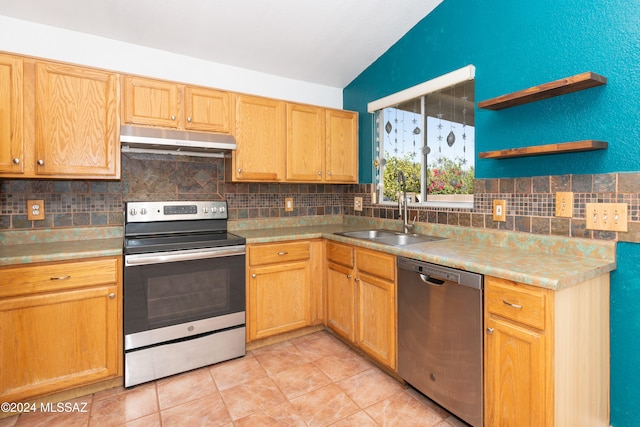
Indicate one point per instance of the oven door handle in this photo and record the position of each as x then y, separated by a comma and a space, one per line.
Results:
187, 255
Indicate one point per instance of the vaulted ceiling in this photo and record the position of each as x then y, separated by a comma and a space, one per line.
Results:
328, 42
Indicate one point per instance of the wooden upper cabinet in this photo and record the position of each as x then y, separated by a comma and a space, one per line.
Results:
207, 109
342, 146
305, 143
259, 131
11, 122
151, 102
77, 126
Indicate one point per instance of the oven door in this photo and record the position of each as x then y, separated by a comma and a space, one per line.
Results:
163, 291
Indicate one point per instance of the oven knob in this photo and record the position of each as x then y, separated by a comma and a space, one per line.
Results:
133, 211
214, 209
143, 211
221, 209
205, 209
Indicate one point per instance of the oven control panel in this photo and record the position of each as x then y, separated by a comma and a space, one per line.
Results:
175, 210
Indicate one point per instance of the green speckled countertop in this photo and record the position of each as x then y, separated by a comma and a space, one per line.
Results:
547, 261
30, 246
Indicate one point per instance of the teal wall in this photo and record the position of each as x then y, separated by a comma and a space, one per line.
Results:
515, 44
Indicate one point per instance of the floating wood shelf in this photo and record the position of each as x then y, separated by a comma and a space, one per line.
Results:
538, 150
548, 90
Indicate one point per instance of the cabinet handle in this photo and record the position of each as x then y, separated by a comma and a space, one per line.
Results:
329, 173
112, 295
348, 276
253, 275
60, 278
517, 306
319, 172
356, 280
41, 162
282, 253
189, 119
239, 170
490, 331
16, 160
173, 117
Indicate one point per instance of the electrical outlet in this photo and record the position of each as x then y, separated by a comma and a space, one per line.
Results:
357, 204
499, 210
35, 210
564, 204
606, 216
288, 204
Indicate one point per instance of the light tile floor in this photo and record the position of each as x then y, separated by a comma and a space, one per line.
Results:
314, 380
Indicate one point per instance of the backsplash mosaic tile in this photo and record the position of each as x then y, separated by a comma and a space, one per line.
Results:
530, 200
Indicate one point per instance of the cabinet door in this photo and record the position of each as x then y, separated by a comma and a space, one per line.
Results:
259, 131
279, 298
515, 392
206, 109
305, 143
376, 318
11, 122
341, 301
342, 146
151, 102
77, 126
55, 341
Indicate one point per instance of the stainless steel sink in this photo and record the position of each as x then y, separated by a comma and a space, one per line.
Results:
369, 234
389, 237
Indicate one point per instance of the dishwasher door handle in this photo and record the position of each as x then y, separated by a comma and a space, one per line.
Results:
430, 280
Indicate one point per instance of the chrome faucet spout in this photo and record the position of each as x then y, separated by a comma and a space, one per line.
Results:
402, 203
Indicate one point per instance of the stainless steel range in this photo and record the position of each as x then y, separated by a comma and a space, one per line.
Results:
184, 289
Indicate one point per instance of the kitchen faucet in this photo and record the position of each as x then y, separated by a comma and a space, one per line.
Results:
402, 203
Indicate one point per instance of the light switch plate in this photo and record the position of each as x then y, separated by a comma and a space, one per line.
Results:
500, 210
357, 204
606, 216
35, 210
288, 204
564, 204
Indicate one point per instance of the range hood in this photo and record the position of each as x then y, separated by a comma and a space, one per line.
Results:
136, 139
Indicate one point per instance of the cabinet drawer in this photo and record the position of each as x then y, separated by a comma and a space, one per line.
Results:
55, 276
340, 254
376, 263
278, 252
520, 303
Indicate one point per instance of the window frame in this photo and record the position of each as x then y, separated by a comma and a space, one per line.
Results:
436, 84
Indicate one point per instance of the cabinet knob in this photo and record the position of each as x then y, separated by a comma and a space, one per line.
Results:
16, 160
348, 276
239, 170
329, 173
41, 162
173, 117
189, 119
253, 275
112, 295
356, 280
319, 172
490, 331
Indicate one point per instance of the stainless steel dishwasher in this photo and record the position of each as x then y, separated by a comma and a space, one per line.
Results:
440, 335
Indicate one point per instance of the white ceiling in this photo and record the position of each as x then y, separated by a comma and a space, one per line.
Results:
328, 42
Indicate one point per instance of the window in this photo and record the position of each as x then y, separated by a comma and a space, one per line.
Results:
428, 133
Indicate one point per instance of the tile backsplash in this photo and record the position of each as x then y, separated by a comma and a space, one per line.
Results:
530, 200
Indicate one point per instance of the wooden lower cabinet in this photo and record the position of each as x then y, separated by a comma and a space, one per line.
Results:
546, 354
361, 299
284, 290
60, 326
